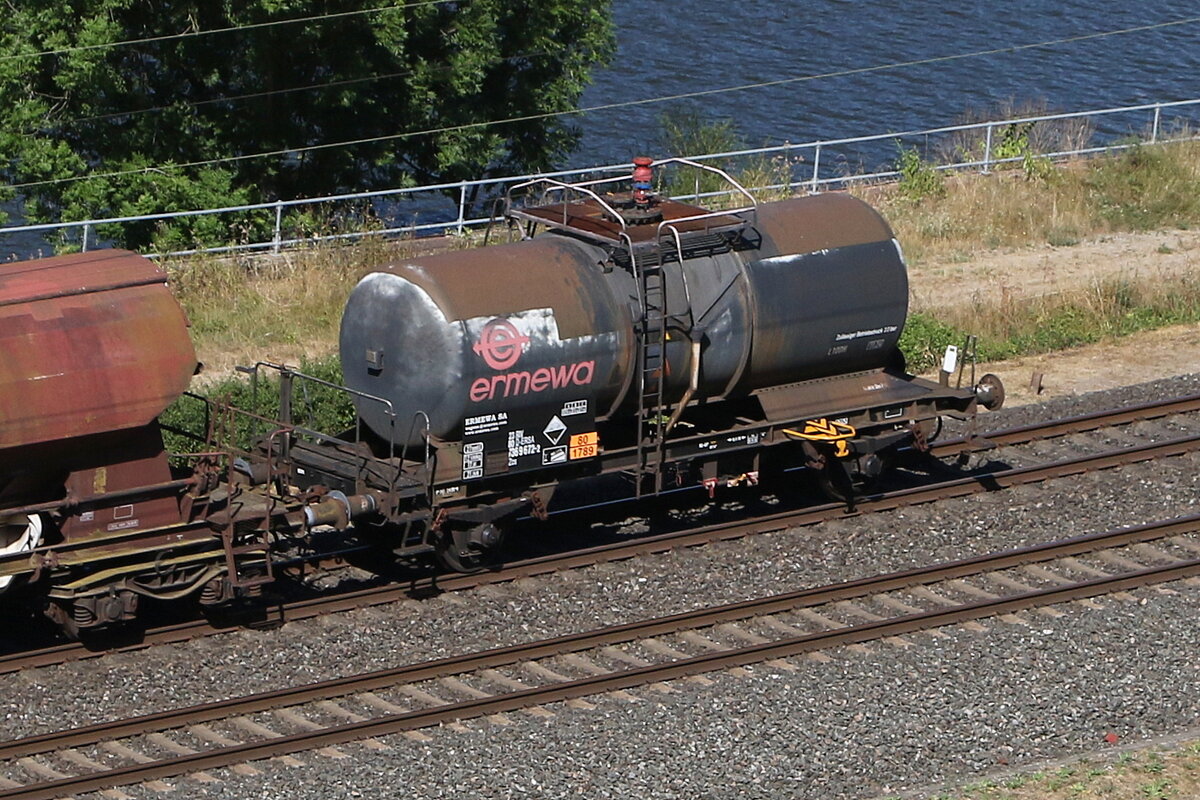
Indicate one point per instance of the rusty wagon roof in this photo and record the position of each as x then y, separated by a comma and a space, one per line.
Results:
89, 343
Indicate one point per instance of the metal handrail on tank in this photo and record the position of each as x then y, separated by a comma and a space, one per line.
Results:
389, 408
751, 209
634, 268
206, 403
584, 188
412, 427
283, 368
581, 188
737, 187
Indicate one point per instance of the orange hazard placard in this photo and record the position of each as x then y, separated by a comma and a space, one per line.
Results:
580, 439
585, 445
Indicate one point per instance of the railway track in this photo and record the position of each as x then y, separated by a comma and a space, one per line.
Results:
1080, 423
958, 486
604, 662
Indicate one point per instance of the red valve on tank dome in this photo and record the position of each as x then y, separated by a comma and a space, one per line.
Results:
643, 176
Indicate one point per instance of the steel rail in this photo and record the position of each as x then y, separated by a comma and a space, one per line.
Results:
613, 681
1080, 423
616, 634
541, 565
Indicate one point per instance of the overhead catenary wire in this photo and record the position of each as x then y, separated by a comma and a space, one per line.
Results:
228, 29
292, 151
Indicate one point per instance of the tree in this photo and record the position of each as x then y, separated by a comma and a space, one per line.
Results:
173, 122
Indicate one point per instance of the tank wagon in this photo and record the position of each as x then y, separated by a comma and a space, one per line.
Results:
623, 333
628, 332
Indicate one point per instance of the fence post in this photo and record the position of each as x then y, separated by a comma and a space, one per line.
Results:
987, 154
816, 170
462, 207
86, 230
277, 240
1154, 128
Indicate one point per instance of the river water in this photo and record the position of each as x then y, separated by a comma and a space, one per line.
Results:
676, 48
667, 49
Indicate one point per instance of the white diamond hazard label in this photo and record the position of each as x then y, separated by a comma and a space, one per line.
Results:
555, 429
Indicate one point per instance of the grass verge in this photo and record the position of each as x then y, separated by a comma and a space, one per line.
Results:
1152, 774
277, 308
1141, 189
1011, 323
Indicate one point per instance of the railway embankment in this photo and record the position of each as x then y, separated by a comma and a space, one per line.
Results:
1122, 305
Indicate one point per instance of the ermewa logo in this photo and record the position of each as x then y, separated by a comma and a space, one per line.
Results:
500, 346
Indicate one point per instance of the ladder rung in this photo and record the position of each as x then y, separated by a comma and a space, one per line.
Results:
652, 331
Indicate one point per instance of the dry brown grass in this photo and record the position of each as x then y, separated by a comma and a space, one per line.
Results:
1141, 189
1152, 774
275, 308
1117, 306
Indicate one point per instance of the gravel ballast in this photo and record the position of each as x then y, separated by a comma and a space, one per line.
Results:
860, 725
957, 704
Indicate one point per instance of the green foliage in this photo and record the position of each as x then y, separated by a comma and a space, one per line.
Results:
151, 193
320, 407
924, 339
1037, 168
1015, 143
1025, 142
684, 132
1154, 764
1057, 330
74, 116
314, 406
918, 178
1157, 790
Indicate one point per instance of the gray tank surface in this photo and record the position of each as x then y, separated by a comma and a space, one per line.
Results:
818, 287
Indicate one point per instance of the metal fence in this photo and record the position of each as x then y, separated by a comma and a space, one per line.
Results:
809, 166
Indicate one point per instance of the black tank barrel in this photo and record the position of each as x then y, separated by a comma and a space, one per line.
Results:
817, 287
